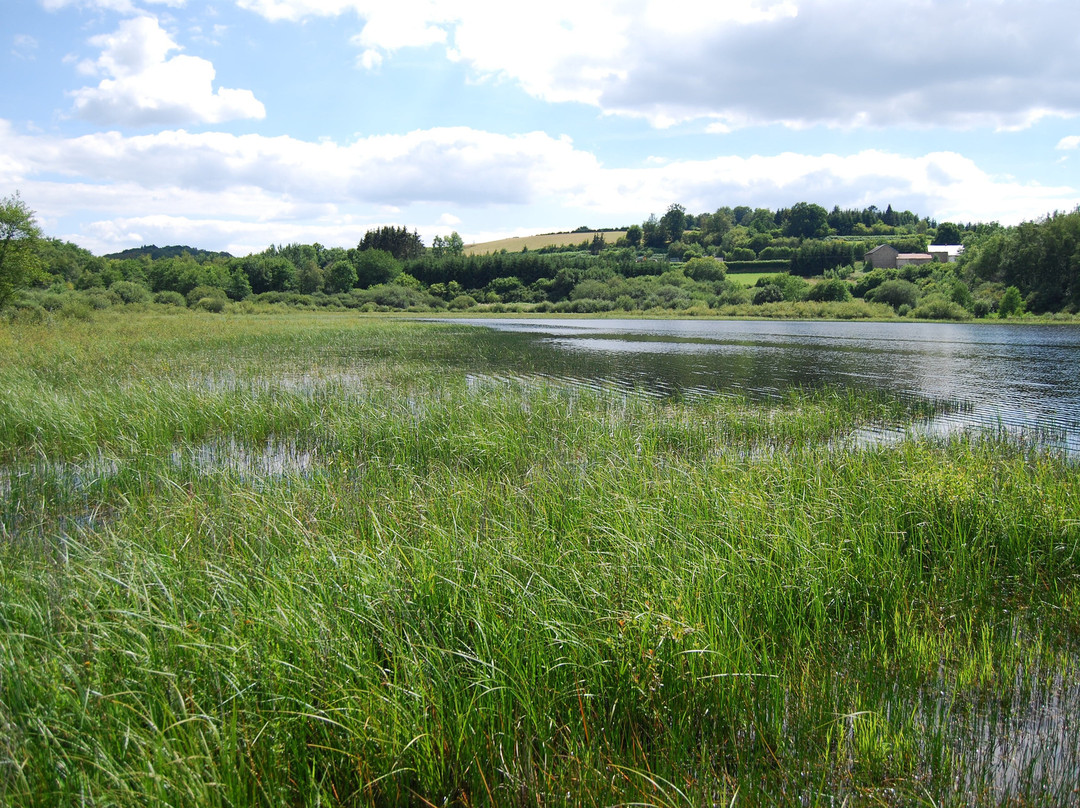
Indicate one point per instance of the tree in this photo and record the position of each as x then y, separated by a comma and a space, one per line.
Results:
450, 245
309, 278
674, 222
19, 234
806, 220
633, 235
340, 276
1011, 303
397, 241
947, 233
374, 267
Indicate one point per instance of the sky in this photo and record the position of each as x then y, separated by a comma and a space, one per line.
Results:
237, 124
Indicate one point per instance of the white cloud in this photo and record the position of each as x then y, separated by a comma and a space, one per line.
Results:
24, 46
220, 190
1069, 143
1004, 64
144, 85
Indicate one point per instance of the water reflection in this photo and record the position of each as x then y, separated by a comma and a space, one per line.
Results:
1024, 380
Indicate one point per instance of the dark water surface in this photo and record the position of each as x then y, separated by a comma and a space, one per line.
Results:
1021, 378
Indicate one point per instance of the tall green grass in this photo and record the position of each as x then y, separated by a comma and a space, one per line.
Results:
315, 560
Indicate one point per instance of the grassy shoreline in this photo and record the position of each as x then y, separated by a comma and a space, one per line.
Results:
299, 559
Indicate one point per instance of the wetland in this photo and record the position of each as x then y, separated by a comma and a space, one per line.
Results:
331, 559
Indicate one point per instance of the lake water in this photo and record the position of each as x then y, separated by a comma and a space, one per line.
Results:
1024, 379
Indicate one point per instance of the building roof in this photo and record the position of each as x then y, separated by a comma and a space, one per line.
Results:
910, 256
951, 249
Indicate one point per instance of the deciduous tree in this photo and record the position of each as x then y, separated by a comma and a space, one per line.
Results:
18, 236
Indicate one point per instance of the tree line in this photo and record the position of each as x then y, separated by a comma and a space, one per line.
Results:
677, 261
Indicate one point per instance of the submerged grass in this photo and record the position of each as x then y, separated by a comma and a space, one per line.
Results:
425, 590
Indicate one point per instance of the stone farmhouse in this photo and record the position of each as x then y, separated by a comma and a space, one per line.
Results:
886, 257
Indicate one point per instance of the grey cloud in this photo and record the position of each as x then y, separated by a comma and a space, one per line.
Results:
857, 63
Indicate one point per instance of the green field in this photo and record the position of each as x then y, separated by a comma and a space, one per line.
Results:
309, 559
748, 279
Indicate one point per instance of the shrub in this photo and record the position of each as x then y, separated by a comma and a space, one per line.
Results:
1011, 303
462, 302
211, 304
896, 293
833, 290
100, 299
769, 293
130, 292
170, 299
584, 306
939, 307
741, 254
197, 294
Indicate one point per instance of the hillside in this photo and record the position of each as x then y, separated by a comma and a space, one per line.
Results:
157, 253
518, 243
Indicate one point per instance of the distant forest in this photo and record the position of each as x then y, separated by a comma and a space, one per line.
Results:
802, 261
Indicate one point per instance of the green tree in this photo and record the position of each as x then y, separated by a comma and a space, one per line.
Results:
448, 245
1011, 303
633, 235
947, 233
19, 234
340, 276
806, 220
674, 222
309, 278
374, 267
896, 293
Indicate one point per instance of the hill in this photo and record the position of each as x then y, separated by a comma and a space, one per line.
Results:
518, 243
155, 253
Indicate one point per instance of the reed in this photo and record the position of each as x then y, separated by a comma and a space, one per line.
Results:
318, 560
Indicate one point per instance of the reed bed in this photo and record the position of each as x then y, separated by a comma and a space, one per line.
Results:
312, 560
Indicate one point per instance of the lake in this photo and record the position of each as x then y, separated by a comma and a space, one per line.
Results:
1021, 378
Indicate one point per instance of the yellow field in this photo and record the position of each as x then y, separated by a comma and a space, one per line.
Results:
536, 242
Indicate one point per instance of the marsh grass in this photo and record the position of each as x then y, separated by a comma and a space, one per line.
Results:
313, 560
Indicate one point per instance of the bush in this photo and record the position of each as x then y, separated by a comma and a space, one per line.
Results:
584, 306
100, 299
896, 293
170, 299
1011, 303
833, 290
462, 302
130, 292
741, 254
196, 295
769, 293
75, 309
939, 307
215, 305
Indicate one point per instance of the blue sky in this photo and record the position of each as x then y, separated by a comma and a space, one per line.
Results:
236, 124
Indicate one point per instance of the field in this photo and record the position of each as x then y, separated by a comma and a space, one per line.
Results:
537, 242
309, 559
748, 279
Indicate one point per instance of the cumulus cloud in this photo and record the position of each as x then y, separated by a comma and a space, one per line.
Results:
1069, 143
144, 85
269, 187
1004, 64
454, 164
